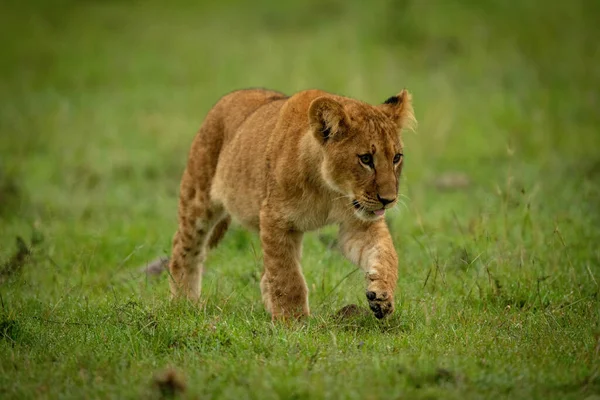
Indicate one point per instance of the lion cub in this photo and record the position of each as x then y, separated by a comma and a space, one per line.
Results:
287, 165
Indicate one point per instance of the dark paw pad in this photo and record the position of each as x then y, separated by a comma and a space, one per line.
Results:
381, 306
376, 308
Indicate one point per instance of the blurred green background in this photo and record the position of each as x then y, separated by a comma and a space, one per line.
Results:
99, 102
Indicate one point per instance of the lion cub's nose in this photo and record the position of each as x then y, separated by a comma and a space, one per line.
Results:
385, 201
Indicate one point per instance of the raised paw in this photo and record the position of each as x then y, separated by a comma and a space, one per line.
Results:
381, 303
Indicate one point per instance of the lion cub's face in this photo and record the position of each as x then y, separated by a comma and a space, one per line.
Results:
362, 150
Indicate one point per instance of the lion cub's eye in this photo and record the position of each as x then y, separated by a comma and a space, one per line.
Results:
366, 159
397, 158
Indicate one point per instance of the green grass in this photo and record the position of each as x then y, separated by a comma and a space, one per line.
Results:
498, 288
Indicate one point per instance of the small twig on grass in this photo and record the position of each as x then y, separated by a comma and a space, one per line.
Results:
575, 302
591, 275
313, 359
538, 294
493, 281
560, 236
135, 250
124, 261
437, 269
564, 244
427, 277
67, 292
54, 263
336, 286
457, 223
435, 259
473, 260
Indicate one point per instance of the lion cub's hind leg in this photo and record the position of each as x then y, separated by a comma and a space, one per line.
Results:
265, 291
201, 225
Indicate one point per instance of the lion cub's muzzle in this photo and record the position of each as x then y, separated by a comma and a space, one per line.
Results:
374, 210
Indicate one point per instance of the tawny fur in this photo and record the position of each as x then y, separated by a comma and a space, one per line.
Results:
286, 165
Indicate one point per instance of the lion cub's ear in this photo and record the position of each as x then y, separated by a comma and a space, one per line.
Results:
327, 118
399, 108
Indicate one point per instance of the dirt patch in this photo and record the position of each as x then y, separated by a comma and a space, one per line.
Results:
169, 383
155, 267
351, 311
452, 181
438, 377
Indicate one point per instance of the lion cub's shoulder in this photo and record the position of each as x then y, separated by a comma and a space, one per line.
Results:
235, 107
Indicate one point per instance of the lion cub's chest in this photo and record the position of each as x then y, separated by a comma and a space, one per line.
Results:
312, 212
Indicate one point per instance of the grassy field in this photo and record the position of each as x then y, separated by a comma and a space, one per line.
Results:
498, 236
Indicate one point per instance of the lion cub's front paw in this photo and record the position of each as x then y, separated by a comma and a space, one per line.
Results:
380, 302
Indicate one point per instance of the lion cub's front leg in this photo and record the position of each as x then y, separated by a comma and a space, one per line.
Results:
370, 246
283, 287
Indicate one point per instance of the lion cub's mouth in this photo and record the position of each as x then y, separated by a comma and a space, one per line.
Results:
368, 213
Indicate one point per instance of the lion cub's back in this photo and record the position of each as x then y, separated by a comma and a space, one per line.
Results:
240, 176
234, 108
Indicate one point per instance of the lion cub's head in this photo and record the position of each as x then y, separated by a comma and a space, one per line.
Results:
362, 149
